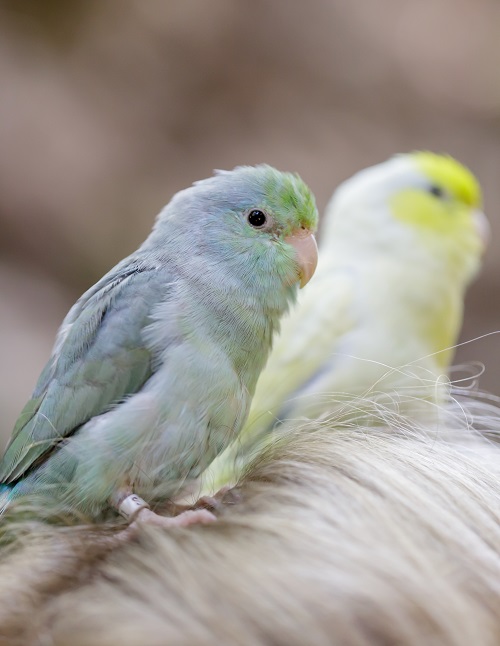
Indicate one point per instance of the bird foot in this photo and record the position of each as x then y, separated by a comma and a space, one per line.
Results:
189, 517
226, 495
136, 510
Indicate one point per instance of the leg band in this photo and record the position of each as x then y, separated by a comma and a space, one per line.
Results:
131, 506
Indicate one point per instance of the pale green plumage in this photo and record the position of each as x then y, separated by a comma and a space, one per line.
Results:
154, 367
399, 246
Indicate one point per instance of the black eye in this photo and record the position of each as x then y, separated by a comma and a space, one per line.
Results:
437, 191
257, 218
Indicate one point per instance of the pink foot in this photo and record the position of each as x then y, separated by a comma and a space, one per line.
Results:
226, 495
190, 517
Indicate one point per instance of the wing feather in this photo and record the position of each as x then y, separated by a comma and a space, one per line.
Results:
99, 358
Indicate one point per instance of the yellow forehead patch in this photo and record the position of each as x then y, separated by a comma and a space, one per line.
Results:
451, 175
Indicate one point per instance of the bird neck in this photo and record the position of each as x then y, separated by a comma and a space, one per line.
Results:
241, 321
416, 300
240, 310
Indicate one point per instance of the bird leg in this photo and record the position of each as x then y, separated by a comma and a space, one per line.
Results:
136, 510
189, 517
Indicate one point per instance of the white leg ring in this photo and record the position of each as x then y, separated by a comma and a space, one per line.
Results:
131, 506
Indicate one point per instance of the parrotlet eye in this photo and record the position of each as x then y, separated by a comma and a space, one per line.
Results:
437, 191
257, 218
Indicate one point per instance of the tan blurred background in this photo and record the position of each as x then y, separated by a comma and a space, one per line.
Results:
109, 106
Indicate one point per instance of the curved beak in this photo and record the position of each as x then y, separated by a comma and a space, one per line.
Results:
482, 226
304, 243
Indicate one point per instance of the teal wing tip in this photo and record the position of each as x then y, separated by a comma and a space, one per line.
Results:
5, 493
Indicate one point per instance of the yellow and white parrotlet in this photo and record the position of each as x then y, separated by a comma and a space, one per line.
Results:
400, 243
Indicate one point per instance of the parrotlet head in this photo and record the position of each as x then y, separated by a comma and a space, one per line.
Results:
256, 221
419, 198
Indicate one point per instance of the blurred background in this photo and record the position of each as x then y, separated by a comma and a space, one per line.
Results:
107, 107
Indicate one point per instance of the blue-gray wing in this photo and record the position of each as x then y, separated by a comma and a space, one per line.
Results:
100, 357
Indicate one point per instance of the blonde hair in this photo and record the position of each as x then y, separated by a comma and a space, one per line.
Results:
337, 534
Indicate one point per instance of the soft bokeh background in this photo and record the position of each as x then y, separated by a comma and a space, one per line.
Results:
109, 106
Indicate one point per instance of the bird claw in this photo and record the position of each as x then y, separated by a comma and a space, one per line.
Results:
226, 495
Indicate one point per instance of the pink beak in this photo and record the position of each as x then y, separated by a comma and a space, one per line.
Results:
304, 243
